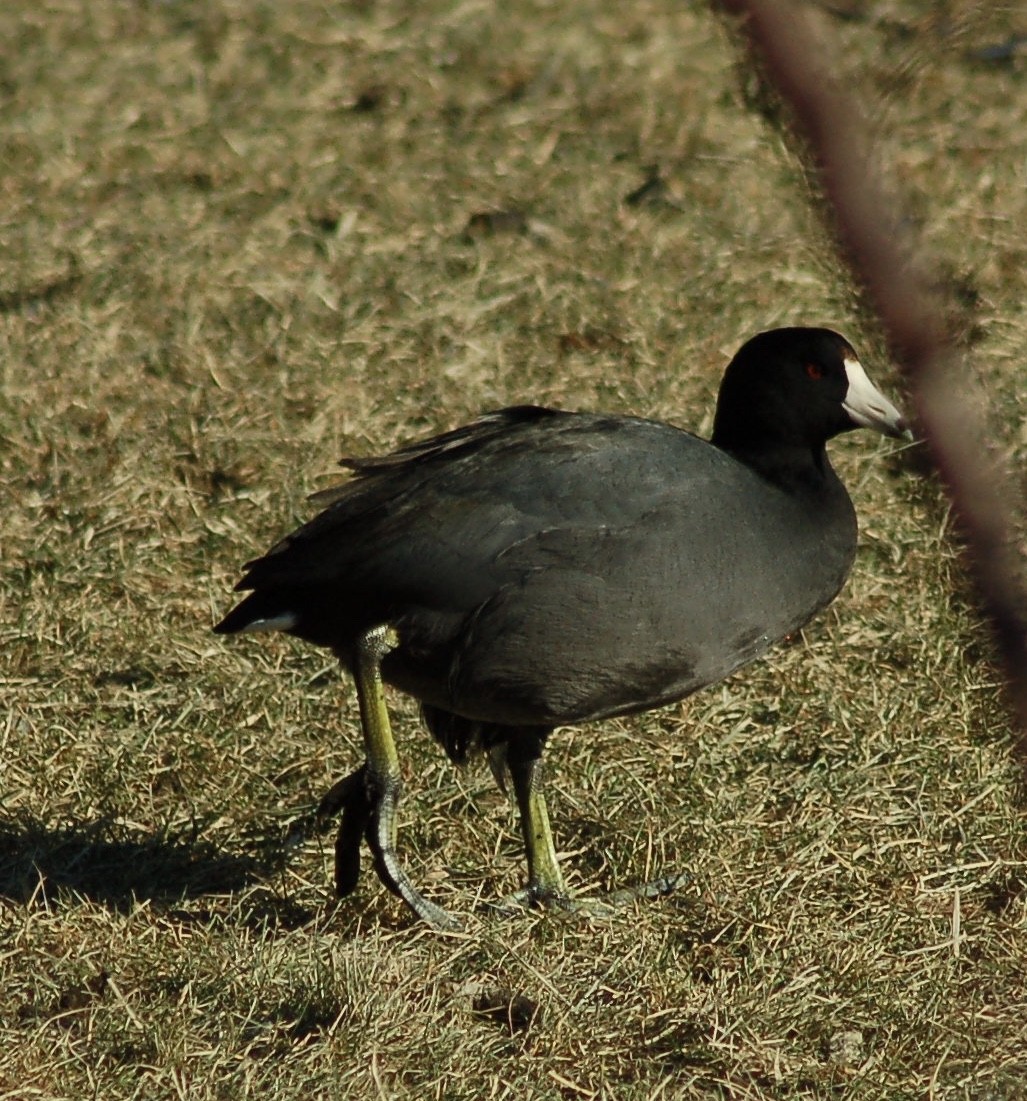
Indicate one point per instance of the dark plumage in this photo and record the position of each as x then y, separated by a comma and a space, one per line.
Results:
539, 567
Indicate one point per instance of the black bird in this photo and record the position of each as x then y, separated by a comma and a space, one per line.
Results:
539, 567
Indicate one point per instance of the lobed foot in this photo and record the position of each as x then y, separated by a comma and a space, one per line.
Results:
603, 908
368, 809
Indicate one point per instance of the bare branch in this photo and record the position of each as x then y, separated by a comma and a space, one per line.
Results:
882, 259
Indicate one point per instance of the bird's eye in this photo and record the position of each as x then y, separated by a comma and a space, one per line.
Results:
814, 371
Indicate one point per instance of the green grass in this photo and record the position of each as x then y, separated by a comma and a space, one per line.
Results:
235, 245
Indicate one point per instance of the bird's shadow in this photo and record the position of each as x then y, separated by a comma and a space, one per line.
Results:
118, 865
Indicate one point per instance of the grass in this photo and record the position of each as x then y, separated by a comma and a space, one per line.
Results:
238, 240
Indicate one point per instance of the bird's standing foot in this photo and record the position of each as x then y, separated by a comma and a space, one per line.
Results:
603, 908
655, 888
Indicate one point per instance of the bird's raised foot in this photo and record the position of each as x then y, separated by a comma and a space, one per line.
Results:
349, 798
368, 814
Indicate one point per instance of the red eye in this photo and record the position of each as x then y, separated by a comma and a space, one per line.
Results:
814, 370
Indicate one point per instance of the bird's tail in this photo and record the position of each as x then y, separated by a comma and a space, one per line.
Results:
260, 611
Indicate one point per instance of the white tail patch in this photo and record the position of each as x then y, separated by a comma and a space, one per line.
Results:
283, 622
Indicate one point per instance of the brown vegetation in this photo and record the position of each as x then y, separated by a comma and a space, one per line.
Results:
238, 240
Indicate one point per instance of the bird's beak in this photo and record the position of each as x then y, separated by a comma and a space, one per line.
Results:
868, 407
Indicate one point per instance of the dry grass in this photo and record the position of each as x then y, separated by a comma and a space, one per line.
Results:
234, 245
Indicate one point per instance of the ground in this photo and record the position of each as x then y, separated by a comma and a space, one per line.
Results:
239, 240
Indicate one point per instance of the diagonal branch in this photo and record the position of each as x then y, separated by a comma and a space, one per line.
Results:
881, 258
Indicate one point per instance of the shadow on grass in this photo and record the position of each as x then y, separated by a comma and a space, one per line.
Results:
116, 865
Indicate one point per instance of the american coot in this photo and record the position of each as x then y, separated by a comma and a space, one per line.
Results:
540, 567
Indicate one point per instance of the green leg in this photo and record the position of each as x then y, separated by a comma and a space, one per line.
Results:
545, 880
382, 787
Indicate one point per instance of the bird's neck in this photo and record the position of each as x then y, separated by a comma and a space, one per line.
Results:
800, 469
